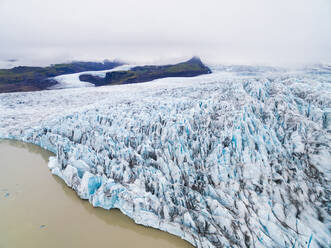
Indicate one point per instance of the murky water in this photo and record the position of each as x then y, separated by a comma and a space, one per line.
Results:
38, 210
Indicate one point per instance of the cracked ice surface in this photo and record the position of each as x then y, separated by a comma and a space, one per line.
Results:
219, 160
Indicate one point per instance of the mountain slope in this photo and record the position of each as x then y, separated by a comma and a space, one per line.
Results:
26, 78
139, 74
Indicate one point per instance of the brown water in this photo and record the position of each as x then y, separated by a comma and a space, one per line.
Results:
38, 210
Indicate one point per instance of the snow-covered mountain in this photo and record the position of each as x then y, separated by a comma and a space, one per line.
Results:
237, 158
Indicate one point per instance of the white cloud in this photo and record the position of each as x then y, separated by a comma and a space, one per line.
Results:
238, 31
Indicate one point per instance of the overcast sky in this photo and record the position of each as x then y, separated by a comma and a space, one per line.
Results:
153, 31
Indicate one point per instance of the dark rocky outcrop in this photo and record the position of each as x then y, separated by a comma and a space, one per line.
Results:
139, 74
27, 78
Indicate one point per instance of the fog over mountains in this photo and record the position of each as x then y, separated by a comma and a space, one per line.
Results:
40, 32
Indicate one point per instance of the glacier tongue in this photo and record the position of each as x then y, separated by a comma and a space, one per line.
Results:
219, 160
72, 80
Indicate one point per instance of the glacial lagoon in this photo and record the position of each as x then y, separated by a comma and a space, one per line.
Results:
37, 209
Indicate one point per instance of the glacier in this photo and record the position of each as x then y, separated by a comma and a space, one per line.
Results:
67, 81
237, 158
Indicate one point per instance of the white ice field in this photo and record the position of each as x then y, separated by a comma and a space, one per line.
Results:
240, 157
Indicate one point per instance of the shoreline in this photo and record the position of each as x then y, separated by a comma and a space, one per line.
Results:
83, 199
177, 231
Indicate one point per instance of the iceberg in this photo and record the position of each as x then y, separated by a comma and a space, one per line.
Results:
237, 158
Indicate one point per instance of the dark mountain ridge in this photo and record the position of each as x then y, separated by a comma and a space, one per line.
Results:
28, 78
139, 74
31, 78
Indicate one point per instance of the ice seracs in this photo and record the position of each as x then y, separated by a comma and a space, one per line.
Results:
221, 160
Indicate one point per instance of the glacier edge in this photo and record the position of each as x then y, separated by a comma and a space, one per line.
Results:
186, 152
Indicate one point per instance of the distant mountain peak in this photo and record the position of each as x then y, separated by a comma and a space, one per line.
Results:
195, 59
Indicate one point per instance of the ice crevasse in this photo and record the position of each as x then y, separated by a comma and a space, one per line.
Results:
221, 160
